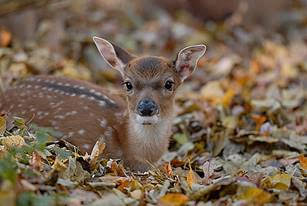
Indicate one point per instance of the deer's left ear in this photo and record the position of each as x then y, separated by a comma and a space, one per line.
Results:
187, 59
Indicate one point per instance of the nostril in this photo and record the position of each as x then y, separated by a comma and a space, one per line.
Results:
147, 107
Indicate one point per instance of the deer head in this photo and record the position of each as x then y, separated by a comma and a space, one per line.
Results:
150, 82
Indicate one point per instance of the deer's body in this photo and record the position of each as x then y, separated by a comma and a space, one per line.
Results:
135, 130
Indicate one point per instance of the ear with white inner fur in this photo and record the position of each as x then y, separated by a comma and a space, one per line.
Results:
114, 56
187, 59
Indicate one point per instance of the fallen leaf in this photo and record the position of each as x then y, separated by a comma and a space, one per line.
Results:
12, 141
36, 161
5, 38
168, 169
227, 98
303, 162
2, 125
254, 195
136, 194
280, 181
97, 151
173, 199
191, 178
259, 120
212, 92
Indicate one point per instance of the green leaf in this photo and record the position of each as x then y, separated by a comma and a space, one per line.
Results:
180, 138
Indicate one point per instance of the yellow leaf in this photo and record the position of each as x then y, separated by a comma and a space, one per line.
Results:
12, 141
254, 195
281, 181
212, 92
191, 178
227, 99
303, 162
59, 166
2, 125
173, 199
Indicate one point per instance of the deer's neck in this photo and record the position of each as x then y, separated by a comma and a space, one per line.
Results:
148, 142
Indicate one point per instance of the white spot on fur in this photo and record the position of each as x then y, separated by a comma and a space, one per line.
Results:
81, 131
59, 117
108, 132
86, 146
103, 123
102, 103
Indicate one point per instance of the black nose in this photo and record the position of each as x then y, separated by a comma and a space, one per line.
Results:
147, 107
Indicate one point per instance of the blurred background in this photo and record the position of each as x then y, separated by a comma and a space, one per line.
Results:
257, 50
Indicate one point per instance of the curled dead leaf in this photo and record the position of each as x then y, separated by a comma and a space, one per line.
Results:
97, 152
36, 161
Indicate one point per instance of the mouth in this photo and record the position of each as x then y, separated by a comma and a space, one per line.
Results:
147, 120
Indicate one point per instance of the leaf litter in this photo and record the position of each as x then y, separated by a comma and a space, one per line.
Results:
239, 137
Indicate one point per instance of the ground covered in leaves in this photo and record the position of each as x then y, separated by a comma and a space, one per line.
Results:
240, 135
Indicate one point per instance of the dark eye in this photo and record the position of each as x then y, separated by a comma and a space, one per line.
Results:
169, 85
128, 85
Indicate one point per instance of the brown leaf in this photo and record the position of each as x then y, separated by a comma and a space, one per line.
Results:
5, 38
191, 178
36, 161
303, 162
97, 152
168, 169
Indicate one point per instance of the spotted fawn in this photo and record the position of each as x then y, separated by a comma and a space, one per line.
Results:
135, 129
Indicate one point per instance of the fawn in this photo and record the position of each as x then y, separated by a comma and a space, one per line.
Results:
135, 130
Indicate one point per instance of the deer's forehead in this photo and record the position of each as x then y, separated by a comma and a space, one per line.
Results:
149, 67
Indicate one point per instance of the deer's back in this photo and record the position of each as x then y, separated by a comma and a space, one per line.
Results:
81, 112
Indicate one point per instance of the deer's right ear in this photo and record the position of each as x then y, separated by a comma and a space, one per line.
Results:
114, 56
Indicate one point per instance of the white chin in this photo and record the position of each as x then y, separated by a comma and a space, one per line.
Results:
147, 120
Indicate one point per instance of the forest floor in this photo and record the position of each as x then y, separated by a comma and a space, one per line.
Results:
239, 137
